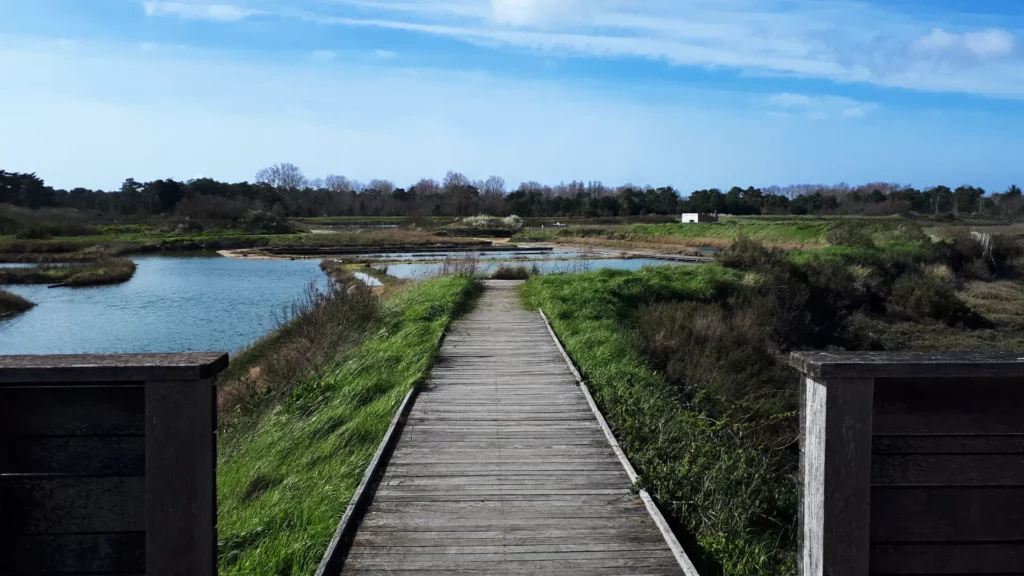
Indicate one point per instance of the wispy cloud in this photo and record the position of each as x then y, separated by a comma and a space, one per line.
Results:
193, 11
324, 55
385, 54
845, 41
818, 107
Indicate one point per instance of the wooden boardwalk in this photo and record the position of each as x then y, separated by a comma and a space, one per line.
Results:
502, 467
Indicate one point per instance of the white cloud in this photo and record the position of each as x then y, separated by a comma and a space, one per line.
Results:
192, 11
819, 107
845, 41
984, 44
790, 100
324, 55
385, 54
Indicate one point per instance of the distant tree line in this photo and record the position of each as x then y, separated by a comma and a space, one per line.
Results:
284, 190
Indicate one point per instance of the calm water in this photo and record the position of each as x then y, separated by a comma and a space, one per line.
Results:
418, 270
197, 304
485, 255
171, 305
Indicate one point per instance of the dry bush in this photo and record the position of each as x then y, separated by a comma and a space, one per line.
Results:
506, 272
313, 330
460, 263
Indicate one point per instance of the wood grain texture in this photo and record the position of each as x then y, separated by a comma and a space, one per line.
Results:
502, 468
948, 514
72, 411
76, 368
829, 365
77, 554
181, 507
64, 505
836, 470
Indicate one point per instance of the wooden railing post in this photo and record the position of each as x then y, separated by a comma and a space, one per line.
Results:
107, 464
911, 463
181, 495
835, 465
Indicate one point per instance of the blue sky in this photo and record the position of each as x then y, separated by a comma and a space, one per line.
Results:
689, 93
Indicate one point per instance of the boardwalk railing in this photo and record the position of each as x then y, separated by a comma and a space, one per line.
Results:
107, 464
912, 464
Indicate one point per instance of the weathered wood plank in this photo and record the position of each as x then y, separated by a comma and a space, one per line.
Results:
946, 514
76, 554
181, 507
827, 365
948, 469
82, 410
503, 468
949, 444
948, 406
110, 367
110, 455
62, 505
942, 559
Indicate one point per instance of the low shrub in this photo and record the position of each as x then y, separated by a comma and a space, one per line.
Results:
260, 222
922, 296
506, 272
101, 272
317, 326
845, 233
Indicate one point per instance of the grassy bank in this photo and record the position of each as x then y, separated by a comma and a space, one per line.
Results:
12, 304
284, 482
788, 233
136, 239
688, 365
99, 272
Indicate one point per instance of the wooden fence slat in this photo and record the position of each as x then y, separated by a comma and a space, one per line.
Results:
181, 508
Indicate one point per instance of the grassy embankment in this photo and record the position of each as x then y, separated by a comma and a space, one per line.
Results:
135, 239
97, 273
12, 304
791, 233
688, 365
295, 448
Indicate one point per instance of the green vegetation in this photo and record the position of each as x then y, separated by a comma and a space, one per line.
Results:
789, 232
285, 479
12, 304
507, 272
688, 364
99, 272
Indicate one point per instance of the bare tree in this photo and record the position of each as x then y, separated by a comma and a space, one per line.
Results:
336, 183
381, 186
493, 185
285, 176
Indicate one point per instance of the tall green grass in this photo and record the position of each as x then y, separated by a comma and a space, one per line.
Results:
283, 484
724, 492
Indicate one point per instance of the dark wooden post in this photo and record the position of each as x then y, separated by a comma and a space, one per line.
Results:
912, 464
107, 464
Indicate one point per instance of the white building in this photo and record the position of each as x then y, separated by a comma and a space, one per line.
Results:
699, 218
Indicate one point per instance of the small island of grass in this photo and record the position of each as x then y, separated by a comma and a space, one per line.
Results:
97, 273
12, 304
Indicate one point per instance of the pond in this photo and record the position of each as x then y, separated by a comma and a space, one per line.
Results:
171, 305
186, 304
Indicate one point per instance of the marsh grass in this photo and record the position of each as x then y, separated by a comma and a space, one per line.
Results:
99, 272
12, 304
688, 366
509, 272
314, 329
284, 482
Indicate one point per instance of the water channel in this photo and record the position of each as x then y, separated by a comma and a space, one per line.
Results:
184, 304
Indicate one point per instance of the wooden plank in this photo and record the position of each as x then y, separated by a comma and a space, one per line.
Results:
951, 559
827, 365
77, 554
946, 514
110, 367
835, 466
949, 444
503, 467
83, 410
947, 469
112, 455
181, 507
948, 406
63, 505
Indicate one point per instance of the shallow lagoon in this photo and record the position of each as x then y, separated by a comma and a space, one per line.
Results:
185, 304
